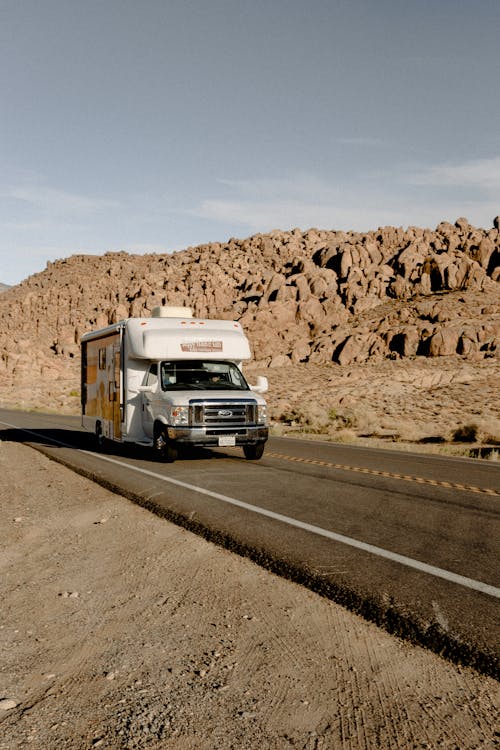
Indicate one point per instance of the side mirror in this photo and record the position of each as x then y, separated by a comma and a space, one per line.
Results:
261, 386
146, 388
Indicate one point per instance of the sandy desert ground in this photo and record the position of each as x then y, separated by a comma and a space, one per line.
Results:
119, 630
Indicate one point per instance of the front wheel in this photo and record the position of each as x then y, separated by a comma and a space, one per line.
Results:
253, 452
163, 447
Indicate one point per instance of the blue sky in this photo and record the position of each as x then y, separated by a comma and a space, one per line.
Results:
155, 125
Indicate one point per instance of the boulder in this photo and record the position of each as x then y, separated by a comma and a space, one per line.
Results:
444, 342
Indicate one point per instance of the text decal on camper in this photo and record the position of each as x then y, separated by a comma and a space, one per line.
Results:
202, 346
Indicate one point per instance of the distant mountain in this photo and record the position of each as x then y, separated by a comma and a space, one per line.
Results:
4, 287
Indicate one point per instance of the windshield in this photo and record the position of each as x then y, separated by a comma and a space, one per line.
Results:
201, 375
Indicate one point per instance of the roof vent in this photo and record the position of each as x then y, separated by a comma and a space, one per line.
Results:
171, 312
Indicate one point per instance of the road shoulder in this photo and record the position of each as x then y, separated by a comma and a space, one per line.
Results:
121, 630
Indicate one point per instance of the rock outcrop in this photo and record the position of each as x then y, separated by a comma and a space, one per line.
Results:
303, 296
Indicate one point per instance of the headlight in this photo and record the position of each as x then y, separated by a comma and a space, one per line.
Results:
262, 414
179, 415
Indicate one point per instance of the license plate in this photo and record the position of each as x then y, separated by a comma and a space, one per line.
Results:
226, 440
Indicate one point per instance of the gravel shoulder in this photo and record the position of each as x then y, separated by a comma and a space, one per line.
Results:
120, 630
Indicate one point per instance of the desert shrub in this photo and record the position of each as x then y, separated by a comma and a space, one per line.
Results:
489, 430
492, 439
342, 420
293, 417
466, 433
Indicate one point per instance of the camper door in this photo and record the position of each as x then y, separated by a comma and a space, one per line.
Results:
103, 384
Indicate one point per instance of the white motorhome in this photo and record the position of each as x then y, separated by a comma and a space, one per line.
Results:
172, 380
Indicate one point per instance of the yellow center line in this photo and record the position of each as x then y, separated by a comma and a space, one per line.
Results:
387, 474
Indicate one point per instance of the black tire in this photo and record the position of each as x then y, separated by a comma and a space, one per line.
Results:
99, 438
253, 452
163, 448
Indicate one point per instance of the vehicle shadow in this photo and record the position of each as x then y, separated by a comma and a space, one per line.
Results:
49, 437
77, 439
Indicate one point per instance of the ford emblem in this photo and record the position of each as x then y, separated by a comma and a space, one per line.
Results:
225, 413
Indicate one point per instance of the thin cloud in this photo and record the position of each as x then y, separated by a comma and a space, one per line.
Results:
302, 201
44, 223
360, 141
297, 186
282, 214
53, 202
479, 173
377, 200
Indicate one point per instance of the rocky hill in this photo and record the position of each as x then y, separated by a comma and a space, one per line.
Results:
4, 287
313, 301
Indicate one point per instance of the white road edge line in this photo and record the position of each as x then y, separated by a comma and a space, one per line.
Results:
409, 562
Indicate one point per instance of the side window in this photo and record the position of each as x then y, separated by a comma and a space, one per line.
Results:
102, 359
168, 376
152, 376
117, 370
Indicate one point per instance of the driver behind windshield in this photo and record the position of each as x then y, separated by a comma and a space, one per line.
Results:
186, 375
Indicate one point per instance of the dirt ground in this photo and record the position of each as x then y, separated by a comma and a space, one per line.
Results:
121, 630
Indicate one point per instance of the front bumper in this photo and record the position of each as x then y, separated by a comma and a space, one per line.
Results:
210, 436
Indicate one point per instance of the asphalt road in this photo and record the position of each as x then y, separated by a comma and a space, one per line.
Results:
409, 541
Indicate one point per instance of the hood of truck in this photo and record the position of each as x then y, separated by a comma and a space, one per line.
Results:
182, 398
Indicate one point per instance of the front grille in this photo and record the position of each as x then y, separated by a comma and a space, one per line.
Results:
223, 413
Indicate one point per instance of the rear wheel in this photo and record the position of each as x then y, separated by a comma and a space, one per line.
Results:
253, 452
99, 438
164, 449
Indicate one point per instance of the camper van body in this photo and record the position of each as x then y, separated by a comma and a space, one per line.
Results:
172, 380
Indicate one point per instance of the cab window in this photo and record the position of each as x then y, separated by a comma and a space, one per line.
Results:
152, 376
